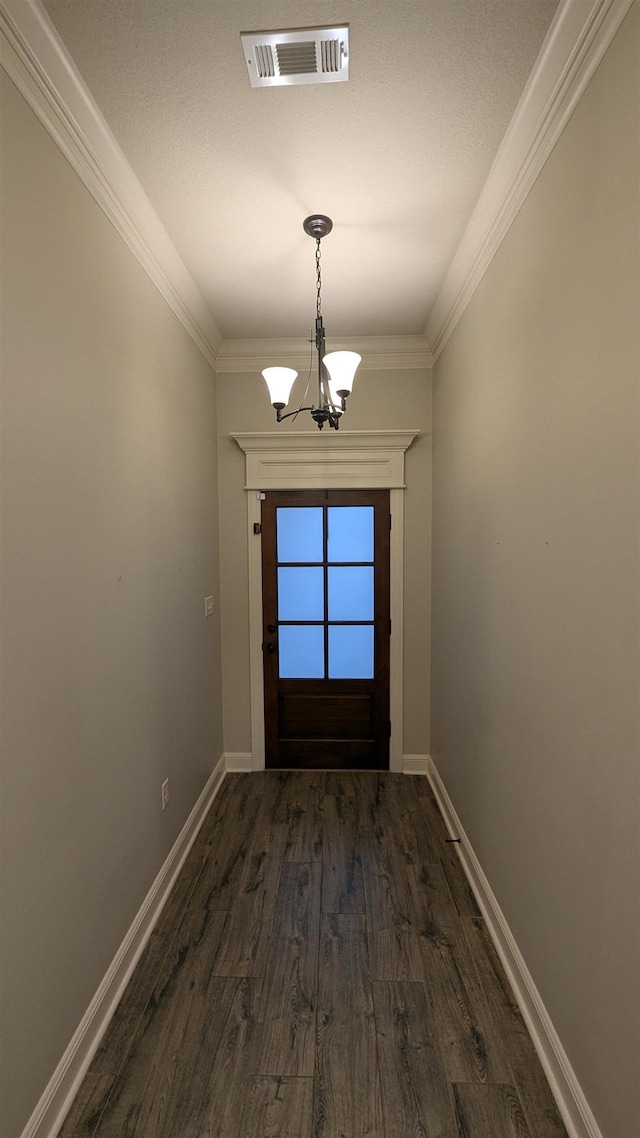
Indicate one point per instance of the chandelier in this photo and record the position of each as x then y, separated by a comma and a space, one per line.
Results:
336, 370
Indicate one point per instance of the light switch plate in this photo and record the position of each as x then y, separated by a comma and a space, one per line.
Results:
208, 606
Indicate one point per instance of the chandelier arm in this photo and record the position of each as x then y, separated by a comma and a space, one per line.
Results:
280, 417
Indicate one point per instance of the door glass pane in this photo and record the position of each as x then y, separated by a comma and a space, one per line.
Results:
350, 533
299, 533
351, 652
301, 652
351, 592
301, 594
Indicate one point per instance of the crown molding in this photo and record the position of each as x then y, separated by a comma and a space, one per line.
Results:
35, 58
379, 353
576, 42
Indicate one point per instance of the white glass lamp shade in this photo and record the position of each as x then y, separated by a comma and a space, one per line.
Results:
279, 380
342, 369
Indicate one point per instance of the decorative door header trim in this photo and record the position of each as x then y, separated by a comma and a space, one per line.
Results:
372, 460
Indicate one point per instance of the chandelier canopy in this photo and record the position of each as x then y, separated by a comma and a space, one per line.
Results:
336, 370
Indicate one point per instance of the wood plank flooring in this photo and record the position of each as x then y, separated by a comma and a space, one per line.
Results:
320, 970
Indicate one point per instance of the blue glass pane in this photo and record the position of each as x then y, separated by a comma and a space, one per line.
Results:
301, 594
301, 652
351, 652
350, 533
351, 593
299, 533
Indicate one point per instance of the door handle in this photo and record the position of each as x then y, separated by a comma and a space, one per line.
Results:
270, 647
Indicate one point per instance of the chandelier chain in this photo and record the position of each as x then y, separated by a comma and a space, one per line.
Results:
318, 279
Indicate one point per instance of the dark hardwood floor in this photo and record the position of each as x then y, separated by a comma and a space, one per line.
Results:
321, 970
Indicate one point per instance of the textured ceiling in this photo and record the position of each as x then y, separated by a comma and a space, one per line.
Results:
397, 156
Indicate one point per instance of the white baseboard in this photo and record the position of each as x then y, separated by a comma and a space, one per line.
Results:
572, 1104
53, 1107
238, 762
415, 764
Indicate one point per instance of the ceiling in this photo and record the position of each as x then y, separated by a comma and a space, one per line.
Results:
397, 156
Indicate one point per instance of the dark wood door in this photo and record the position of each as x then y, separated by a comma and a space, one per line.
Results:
326, 628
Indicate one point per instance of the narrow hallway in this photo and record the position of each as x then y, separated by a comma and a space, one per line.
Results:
320, 970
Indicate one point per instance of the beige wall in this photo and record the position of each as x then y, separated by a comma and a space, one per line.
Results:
400, 399
535, 583
111, 676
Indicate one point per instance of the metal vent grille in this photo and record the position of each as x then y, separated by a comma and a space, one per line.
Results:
331, 57
305, 55
297, 58
263, 58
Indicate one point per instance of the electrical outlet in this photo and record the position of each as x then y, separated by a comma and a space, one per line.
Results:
208, 606
165, 794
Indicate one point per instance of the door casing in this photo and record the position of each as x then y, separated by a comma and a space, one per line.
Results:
344, 460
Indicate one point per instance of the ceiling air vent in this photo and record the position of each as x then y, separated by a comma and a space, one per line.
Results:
307, 55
